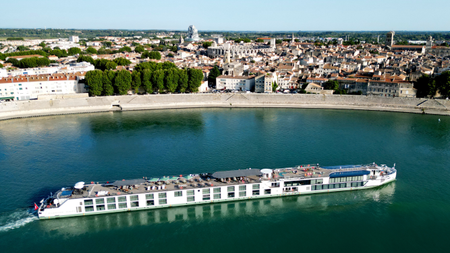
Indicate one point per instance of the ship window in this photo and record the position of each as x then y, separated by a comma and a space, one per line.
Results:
150, 202
277, 184
191, 199
178, 194
230, 188
255, 186
267, 191
217, 190
231, 195
111, 206
162, 201
111, 200
342, 185
100, 207
149, 196
242, 187
122, 202
242, 194
217, 196
255, 192
88, 202
206, 197
190, 192
162, 195
134, 198
134, 204
89, 208
99, 201
206, 191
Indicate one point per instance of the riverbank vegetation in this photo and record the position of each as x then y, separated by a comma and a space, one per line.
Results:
147, 77
428, 86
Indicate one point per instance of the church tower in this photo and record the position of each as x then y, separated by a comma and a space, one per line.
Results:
181, 39
390, 39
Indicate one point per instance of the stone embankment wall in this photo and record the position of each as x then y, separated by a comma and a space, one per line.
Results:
19, 109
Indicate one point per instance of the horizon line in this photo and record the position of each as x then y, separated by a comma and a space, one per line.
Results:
253, 31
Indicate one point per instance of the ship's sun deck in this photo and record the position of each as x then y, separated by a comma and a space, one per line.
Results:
96, 189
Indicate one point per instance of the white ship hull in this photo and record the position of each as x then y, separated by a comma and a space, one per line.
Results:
93, 205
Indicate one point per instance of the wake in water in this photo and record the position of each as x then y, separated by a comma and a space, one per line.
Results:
16, 219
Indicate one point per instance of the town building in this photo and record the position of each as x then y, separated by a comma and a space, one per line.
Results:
30, 87
240, 50
239, 83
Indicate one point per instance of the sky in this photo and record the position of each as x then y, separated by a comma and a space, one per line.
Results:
230, 15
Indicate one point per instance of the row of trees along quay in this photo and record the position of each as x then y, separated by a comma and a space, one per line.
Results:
428, 86
148, 77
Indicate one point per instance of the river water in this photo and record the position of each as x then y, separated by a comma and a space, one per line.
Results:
41, 155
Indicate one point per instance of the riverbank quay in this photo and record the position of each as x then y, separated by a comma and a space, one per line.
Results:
35, 108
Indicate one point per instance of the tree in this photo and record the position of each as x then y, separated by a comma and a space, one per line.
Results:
85, 58
94, 80
423, 86
73, 51
122, 82
22, 48
151, 55
195, 79
146, 80
122, 61
443, 83
107, 43
108, 79
1, 66
110, 65
331, 85
206, 44
13, 61
91, 50
274, 86
167, 65
169, 82
136, 81
42, 44
182, 80
259, 40
139, 49
125, 49
215, 72
158, 80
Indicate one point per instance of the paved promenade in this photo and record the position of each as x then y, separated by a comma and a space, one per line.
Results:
33, 108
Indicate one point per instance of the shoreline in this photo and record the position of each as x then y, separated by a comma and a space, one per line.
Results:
64, 106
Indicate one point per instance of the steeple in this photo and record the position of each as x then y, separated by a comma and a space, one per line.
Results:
227, 55
181, 39
292, 40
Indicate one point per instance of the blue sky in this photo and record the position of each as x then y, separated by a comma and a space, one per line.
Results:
238, 15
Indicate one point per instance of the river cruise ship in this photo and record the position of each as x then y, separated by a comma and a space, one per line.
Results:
148, 193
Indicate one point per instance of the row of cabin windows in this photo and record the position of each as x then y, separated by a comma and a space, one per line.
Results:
162, 198
336, 186
345, 179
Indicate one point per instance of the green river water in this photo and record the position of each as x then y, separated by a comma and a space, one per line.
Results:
412, 214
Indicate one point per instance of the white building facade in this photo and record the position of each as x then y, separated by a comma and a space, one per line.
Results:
26, 88
240, 83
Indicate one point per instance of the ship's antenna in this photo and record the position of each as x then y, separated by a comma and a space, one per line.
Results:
394, 165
